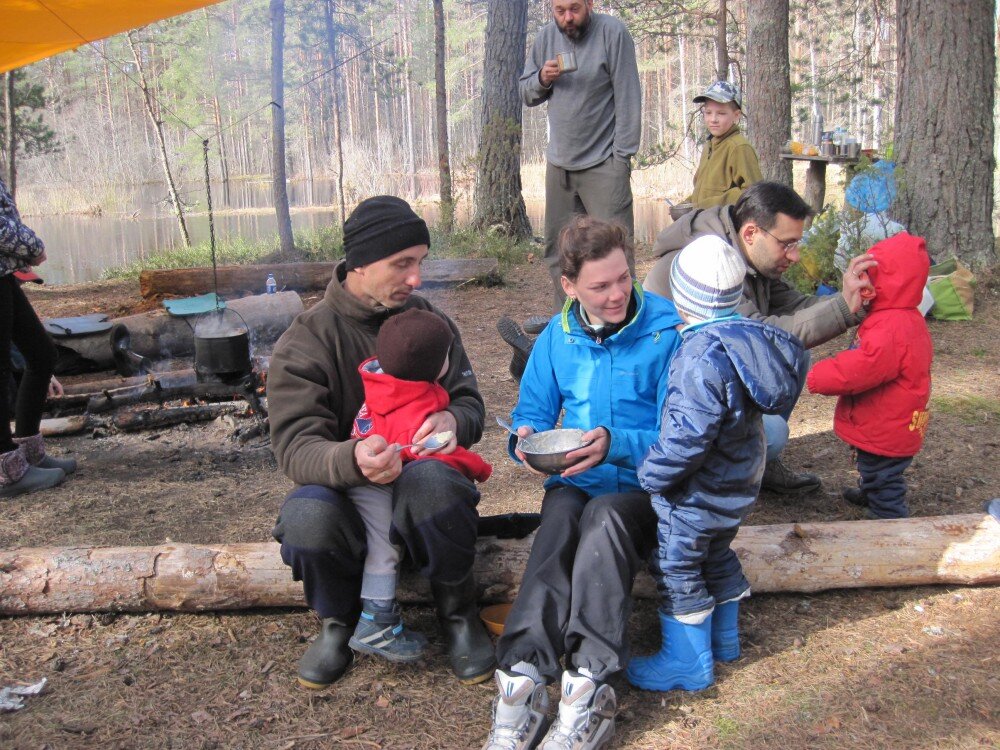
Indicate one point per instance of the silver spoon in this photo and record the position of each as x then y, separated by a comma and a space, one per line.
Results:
507, 427
434, 442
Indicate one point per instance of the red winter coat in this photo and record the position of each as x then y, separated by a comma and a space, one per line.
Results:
395, 409
884, 379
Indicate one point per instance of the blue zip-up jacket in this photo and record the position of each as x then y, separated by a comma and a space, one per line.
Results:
710, 453
619, 383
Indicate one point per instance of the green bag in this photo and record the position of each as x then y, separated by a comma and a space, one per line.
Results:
951, 285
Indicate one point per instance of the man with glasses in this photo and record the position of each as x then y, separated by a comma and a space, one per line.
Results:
766, 225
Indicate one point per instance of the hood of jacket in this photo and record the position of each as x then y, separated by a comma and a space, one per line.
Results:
385, 393
901, 274
766, 360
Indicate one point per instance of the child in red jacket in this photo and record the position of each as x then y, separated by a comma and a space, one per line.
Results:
401, 391
884, 379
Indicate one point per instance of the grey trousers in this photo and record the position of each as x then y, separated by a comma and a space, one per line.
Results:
374, 504
604, 192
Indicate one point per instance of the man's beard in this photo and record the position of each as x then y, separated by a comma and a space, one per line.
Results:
577, 31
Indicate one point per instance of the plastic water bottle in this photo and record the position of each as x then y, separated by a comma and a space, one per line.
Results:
270, 286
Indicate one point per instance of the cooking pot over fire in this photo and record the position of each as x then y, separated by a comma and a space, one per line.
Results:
222, 346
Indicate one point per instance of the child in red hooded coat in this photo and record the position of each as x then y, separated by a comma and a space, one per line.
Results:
401, 391
884, 379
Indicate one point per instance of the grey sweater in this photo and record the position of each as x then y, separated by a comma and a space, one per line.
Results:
594, 111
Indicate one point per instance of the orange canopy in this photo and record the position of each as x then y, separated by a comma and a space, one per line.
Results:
32, 30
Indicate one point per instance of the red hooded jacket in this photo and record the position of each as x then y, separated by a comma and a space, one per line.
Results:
884, 379
395, 409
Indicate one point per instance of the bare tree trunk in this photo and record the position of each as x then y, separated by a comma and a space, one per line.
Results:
441, 85
217, 110
722, 44
331, 41
945, 153
10, 143
407, 48
498, 179
157, 124
684, 97
108, 101
768, 85
279, 184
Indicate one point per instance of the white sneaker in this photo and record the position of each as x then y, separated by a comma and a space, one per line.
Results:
518, 713
586, 718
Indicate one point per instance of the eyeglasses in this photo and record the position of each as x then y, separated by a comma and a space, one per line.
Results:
786, 245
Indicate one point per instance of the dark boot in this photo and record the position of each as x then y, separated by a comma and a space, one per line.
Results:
469, 647
18, 476
329, 656
512, 333
854, 496
779, 478
34, 451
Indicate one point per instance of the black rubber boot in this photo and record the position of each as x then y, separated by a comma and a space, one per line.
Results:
469, 646
329, 656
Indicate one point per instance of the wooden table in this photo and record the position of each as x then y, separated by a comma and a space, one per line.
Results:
816, 175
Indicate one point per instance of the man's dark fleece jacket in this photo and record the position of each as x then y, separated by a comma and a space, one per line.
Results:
314, 389
813, 320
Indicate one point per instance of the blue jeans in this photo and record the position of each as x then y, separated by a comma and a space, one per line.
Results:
776, 425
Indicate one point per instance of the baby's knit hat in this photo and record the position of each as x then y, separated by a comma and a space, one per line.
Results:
706, 278
412, 345
380, 227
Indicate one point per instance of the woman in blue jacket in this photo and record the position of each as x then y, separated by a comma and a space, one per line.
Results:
601, 363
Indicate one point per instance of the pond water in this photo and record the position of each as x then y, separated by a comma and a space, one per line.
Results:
80, 247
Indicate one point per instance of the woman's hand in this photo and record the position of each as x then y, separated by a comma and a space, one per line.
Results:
523, 431
55, 388
592, 455
37, 260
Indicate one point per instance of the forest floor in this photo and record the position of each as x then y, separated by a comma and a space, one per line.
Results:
885, 668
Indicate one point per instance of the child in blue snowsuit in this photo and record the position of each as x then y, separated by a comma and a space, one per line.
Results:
704, 472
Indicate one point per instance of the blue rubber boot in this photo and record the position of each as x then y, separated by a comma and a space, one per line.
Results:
726, 631
684, 660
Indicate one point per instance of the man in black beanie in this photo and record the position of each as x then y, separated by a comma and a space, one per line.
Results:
314, 393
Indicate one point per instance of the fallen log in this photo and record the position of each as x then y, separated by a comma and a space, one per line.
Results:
151, 419
804, 557
159, 335
62, 425
161, 390
301, 277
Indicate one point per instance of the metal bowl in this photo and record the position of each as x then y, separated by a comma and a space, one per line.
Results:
546, 451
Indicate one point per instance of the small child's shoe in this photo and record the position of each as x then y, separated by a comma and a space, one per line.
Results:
726, 631
381, 632
854, 496
684, 660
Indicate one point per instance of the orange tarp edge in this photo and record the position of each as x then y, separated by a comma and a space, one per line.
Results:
31, 30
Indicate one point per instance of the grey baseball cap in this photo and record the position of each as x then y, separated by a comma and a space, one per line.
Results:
722, 92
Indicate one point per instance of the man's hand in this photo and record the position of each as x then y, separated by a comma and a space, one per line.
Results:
549, 73
439, 421
856, 279
379, 463
592, 455
37, 261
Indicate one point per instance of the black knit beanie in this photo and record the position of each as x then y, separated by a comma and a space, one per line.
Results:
412, 345
380, 227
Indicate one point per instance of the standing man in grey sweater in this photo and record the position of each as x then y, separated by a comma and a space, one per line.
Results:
583, 65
